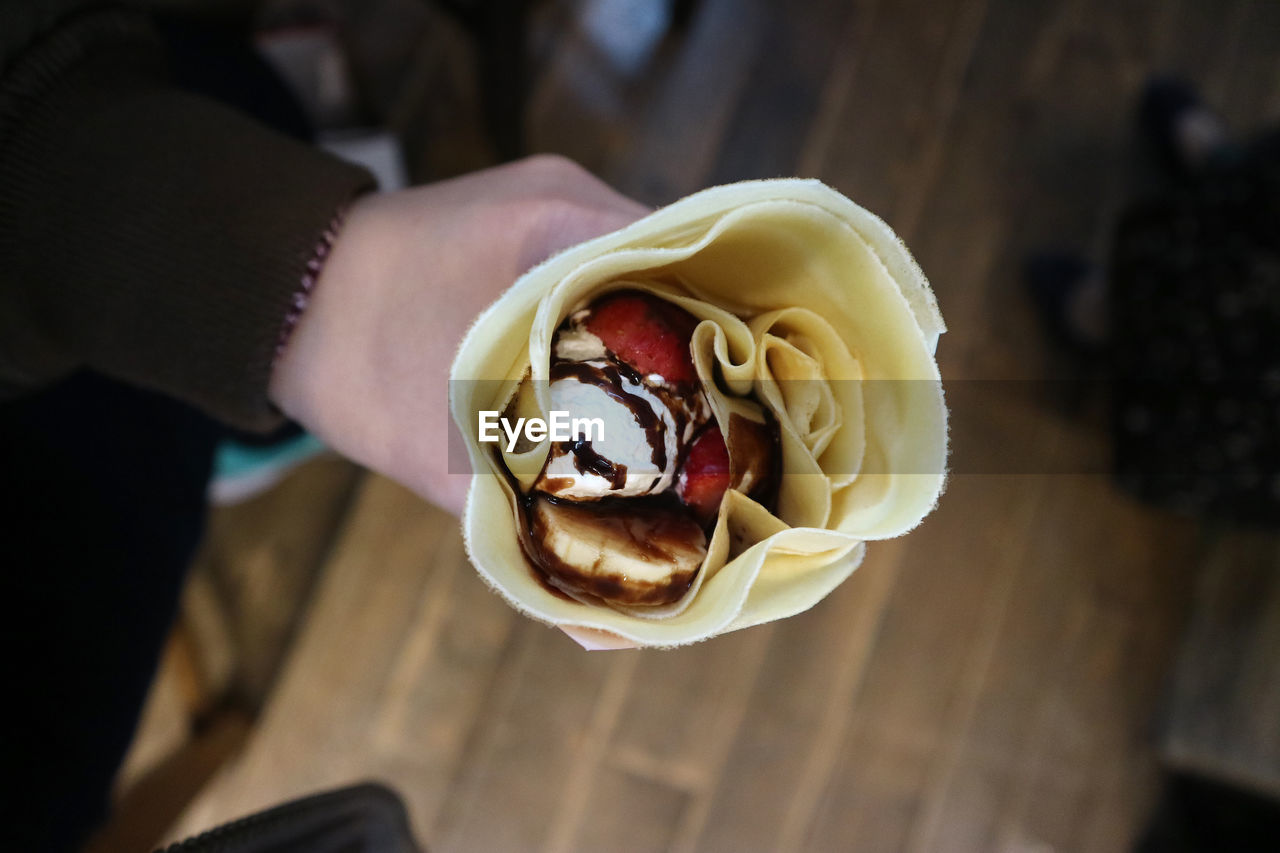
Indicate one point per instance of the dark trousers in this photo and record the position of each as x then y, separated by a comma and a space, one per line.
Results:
105, 490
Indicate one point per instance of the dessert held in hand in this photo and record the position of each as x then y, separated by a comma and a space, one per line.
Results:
761, 359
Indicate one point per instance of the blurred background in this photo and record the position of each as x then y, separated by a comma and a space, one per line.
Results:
1047, 664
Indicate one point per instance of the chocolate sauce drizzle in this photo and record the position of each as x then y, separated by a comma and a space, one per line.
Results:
586, 460
608, 378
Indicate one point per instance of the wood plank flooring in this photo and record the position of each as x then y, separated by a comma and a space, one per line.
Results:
987, 683
1224, 719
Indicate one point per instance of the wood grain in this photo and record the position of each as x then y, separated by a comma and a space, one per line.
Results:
1224, 716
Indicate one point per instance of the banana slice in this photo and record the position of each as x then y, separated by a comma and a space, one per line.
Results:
645, 555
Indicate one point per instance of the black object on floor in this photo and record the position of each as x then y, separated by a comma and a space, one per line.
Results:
366, 818
1164, 101
1198, 816
1053, 280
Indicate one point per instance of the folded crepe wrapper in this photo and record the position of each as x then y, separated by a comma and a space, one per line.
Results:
801, 293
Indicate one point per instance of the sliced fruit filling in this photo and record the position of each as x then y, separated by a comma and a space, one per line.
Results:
624, 516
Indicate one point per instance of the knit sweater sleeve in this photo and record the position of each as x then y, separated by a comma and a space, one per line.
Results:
147, 233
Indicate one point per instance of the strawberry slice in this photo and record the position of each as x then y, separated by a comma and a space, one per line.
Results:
705, 475
648, 333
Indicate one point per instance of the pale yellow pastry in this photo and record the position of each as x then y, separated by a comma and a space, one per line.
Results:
810, 307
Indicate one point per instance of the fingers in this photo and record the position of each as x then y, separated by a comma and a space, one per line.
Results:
559, 176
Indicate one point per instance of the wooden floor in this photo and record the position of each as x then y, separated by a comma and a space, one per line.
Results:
989, 683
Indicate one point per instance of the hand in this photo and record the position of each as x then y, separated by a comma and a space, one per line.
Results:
367, 368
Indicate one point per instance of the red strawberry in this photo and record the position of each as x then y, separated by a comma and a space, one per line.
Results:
648, 333
705, 475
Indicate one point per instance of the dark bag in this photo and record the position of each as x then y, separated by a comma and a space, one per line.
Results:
366, 818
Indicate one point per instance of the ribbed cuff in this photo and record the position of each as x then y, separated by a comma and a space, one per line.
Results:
157, 236
302, 296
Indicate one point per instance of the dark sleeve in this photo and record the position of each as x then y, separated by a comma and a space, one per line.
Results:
147, 233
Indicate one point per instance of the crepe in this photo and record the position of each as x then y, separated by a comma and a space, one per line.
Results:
810, 305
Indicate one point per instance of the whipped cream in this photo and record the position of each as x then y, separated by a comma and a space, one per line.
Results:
577, 344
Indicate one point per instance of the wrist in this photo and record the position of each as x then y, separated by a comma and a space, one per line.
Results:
318, 359
311, 273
